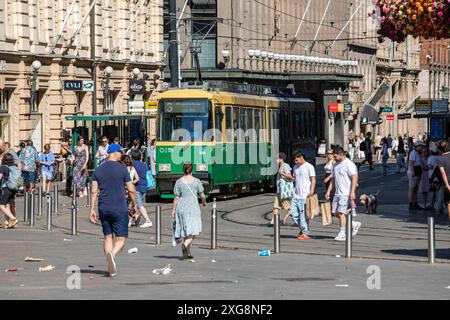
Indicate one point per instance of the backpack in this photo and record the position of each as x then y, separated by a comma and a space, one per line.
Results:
15, 180
363, 146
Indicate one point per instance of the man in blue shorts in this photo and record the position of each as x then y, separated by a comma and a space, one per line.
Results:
110, 179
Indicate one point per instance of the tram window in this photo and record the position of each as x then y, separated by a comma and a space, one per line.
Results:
298, 125
237, 125
229, 124
218, 118
259, 124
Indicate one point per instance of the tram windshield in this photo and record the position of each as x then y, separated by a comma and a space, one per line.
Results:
184, 119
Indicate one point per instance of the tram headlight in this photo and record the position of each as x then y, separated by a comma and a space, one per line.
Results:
201, 167
164, 167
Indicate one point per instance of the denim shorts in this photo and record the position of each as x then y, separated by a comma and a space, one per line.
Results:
29, 177
113, 222
140, 199
47, 175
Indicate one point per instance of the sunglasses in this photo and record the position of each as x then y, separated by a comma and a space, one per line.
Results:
330, 154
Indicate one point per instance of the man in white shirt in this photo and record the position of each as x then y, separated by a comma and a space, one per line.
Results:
102, 152
414, 174
344, 180
305, 184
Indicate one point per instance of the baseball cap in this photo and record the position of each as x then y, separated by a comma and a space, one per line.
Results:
114, 148
419, 143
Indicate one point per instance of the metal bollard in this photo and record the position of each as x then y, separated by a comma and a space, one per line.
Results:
49, 213
276, 233
158, 225
74, 214
25, 206
431, 241
56, 199
214, 226
88, 198
31, 208
40, 201
348, 236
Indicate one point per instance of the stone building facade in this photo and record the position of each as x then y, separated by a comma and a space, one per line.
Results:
60, 34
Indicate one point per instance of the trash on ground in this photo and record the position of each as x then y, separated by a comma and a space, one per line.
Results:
342, 285
22, 285
29, 259
264, 253
213, 261
48, 268
192, 260
338, 256
13, 269
91, 277
235, 281
448, 287
164, 271
68, 240
133, 250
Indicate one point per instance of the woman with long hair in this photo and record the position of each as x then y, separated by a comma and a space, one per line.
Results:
80, 167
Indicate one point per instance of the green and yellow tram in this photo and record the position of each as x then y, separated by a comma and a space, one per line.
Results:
231, 138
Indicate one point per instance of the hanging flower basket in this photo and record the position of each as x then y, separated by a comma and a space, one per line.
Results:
419, 18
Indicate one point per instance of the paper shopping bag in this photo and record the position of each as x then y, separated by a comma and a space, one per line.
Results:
327, 219
312, 207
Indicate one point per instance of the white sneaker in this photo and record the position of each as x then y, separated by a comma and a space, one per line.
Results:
112, 268
148, 224
340, 236
356, 227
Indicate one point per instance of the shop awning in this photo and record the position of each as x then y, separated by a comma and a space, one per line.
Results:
369, 115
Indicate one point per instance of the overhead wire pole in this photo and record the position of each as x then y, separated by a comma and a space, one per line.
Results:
320, 25
128, 29
348, 22
174, 55
94, 66
300, 25
178, 41
66, 19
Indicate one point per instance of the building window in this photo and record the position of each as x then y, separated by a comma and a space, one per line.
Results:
204, 31
80, 96
109, 103
4, 99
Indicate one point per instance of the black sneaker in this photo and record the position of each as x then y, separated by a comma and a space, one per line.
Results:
412, 207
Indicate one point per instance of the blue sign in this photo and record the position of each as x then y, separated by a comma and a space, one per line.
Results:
439, 106
437, 128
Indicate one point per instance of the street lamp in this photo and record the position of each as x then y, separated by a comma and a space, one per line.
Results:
108, 71
36, 65
136, 72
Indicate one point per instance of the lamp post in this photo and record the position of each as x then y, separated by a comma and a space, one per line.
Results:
108, 71
36, 65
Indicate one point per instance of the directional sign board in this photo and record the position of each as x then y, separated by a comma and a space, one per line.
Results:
423, 106
390, 117
386, 109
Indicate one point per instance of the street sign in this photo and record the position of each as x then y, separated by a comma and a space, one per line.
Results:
151, 106
88, 86
137, 87
336, 107
136, 106
439, 106
401, 116
348, 107
386, 109
73, 85
423, 106
390, 117
408, 116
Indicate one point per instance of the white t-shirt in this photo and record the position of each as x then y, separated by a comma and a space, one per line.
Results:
303, 176
415, 157
342, 174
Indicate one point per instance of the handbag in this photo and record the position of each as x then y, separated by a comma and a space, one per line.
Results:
418, 171
151, 182
286, 189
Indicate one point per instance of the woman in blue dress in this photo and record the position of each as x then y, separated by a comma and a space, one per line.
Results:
186, 210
